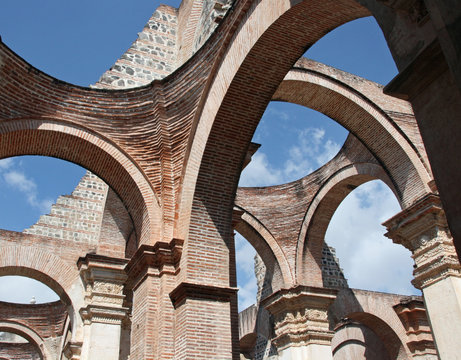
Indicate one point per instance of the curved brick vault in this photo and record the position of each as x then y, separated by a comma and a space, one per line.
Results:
173, 149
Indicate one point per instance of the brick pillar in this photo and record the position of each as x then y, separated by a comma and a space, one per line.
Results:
412, 313
422, 228
104, 279
301, 322
204, 318
151, 277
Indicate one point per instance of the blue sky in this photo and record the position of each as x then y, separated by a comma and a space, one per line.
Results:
78, 41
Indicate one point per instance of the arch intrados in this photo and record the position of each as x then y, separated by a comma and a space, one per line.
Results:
266, 247
258, 54
49, 269
388, 336
27, 333
321, 210
82, 147
39, 276
368, 122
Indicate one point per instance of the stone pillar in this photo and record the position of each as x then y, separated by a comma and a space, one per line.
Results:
151, 277
301, 322
422, 228
104, 279
412, 313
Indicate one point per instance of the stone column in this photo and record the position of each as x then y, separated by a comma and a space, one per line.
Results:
151, 277
104, 279
422, 228
412, 313
301, 322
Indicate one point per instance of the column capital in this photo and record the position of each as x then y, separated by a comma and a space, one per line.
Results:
300, 315
104, 278
422, 228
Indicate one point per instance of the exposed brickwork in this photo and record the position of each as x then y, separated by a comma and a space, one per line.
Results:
173, 150
13, 351
47, 320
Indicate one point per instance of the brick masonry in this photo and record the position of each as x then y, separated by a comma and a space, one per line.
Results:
172, 151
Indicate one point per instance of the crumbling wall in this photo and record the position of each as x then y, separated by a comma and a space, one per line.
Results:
152, 56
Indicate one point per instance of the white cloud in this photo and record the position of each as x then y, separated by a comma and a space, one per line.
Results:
6, 163
260, 173
19, 181
280, 114
370, 260
310, 151
244, 254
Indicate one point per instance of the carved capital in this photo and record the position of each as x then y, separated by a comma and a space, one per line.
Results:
104, 278
412, 313
422, 228
154, 260
300, 315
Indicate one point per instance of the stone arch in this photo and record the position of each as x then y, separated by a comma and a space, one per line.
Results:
267, 248
320, 211
245, 81
351, 106
92, 151
30, 261
236, 100
28, 334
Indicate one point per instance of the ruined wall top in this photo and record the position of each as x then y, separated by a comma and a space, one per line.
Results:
170, 37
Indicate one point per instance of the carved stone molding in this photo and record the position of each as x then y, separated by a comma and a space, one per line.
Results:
155, 260
104, 278
102, 314
412, 313
73, 350
300, 315
422, 228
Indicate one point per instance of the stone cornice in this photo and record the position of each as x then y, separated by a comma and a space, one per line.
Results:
412, 313
200, 291
418, 218
155, 260
422, 228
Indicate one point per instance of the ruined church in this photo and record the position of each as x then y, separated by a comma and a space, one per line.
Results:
142, 252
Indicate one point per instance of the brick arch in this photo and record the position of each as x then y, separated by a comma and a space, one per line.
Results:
390, 339
317, 86
44, 266
320, 211
28, 334
269, 39
267, 248
93, 152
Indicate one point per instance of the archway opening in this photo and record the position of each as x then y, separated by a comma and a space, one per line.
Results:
14, 346
369, 260
57, 203
295, 141
357, 47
